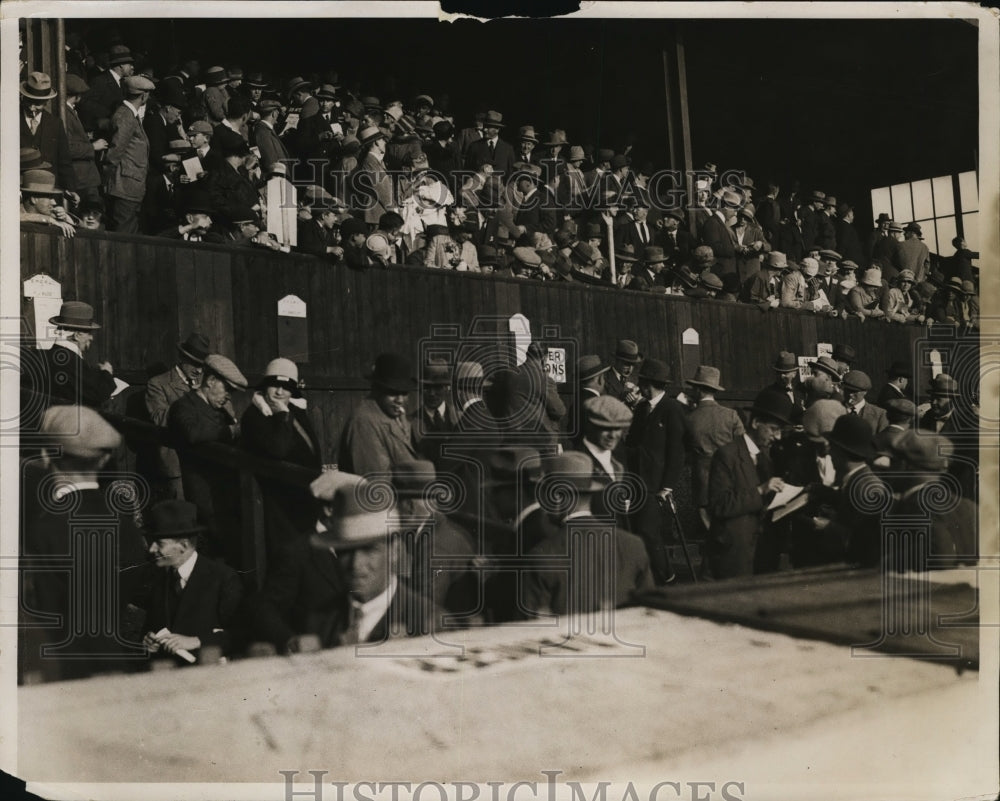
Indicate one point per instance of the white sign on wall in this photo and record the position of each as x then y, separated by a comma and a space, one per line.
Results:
291, 306
555, 364
45, 294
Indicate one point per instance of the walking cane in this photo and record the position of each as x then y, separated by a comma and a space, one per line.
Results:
680, 534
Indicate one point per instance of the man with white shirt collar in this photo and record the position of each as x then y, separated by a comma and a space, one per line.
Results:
856, 386
127, 162
161, 391
381, 604
436, 418
78, 444
71, 379
605, 421
593, 583
105, 94
741, 483
191, 599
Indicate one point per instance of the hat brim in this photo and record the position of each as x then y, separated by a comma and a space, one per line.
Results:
32, 96
594, 373
35, 189
866, 453
792, 369
713, 387
75, 326
191, 357
271, 381
174, 533
391, 385
628, 359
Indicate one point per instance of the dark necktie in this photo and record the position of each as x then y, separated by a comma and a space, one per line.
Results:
493, 148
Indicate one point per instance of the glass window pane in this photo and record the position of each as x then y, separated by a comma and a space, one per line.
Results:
970, 223
944, 198
930, 236
945, 233
902, 208
923, 207
968, 190
881, 202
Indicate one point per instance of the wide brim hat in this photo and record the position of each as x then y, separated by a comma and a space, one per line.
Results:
570, 467
326, 92
773, 405
654, 371
707, 377
900, 369
590, 366
527, 134
853, 434
281, 372
75, 315
653, 254
171, 519
216, 76
31, 159
255, 80
436, 374
40, 182
370, 134
493, 119
79, 431
817, 197
576, 154
226, 370
392, 372
628, 351
556, 139
195, 348
120, 54
828, 366
785, 362
528, 256
361, 517
943, 385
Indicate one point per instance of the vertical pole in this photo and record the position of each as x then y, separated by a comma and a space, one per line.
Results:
671, 144
59, 70
682, 98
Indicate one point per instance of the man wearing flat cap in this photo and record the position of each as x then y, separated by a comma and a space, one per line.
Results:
655, 448
902, 416
44, 131
741, 483
856, 386
161, 392
604, 425
127, 163
205, 415
78, 444
377, 434
272, 149
593, 584
191, 600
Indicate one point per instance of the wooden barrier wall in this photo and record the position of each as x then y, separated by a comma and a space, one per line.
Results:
151, 293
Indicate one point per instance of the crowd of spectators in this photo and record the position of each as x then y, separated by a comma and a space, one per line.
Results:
191, 156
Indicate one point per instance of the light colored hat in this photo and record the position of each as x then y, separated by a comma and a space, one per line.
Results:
281, 373
40, 182
819, 419
605, 411
708, 377
80, 431
378, 245
872, 277
777, 260
226, 370
810, 266
468, 372
38, 86
136, 84
360, 517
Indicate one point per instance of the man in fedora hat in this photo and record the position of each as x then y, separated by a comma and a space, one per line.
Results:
958, 422
946, 305
127, 161
105, 95
66, 377
618, 381
191, 599
877, 239
534, 208
40, 201
953, 521
648, 276
377, 433
593, 583
163, 124
675, 240
655, 449
161, 392
914, 255
763, 288
382, 603
814, 222
897, 386
205, 414
848, 240
856, 386
710, 426
717, 233
319, 134
741, 483
78, 445
590, 374
82, 151
215, 95
436, 417
824, 381
491, 148
786, 368
44, 131
902, 416
371, 186
849, 529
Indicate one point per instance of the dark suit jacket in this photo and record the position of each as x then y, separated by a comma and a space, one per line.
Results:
554, 591
736, 509
159, 135
208, 602
710, 426
429, 437
875, 416
858, 533
81, 152
314, 238
848, 242
50, 140
678, 252
503, 157
271, 148
211, 487
790, 241
655, 448
719, 236
537, 213
306, 592
99, 103
892, 392
275, 437
229, 189
628, 234
953, 539
72, 380
161, 392
161, 206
